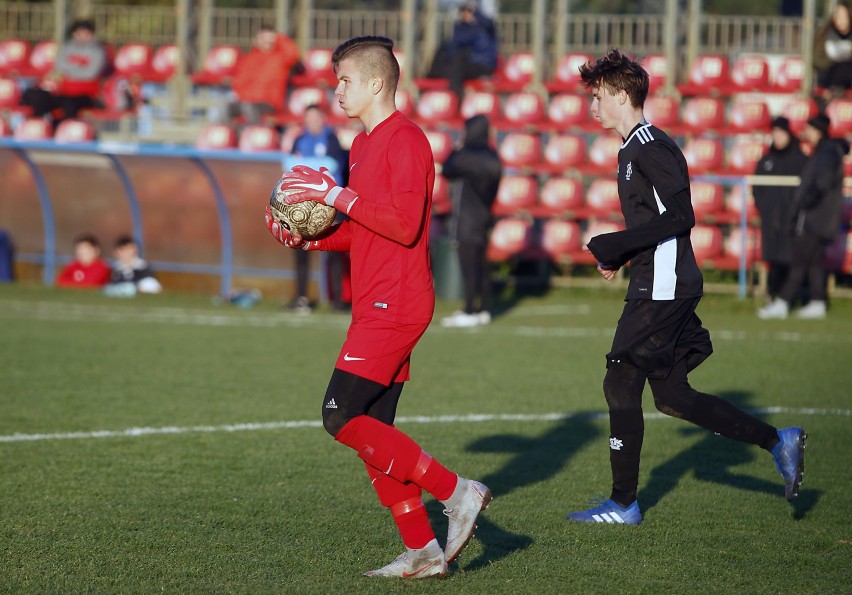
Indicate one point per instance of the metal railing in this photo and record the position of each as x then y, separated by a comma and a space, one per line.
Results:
592, 33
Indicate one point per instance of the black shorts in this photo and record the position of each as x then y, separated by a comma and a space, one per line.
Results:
653, 335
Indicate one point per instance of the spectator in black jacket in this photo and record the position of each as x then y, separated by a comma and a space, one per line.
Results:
818, 208
775, 203
477, 169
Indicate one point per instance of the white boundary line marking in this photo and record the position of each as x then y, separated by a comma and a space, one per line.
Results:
290, 425
50, 311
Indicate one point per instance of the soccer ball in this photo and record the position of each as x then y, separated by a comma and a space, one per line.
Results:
306, 219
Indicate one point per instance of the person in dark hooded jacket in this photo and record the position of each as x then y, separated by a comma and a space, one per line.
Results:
775, 203
818, 209
472, 52
477, 169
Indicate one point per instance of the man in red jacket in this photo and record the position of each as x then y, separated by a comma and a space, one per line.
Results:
260, 84
388, 200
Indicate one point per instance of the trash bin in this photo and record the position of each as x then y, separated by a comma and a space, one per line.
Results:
445, 269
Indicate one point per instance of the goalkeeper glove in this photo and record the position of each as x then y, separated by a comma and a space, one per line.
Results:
283, 235
318, 186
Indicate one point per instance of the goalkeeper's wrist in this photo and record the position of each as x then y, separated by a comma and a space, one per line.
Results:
341, 198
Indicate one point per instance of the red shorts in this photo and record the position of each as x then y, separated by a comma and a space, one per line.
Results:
380, 351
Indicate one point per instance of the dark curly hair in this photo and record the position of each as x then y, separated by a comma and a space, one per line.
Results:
616, 71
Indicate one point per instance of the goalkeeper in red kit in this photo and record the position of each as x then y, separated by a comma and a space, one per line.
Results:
388, 202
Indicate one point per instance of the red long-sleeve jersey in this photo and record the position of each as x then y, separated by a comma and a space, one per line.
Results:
387, 234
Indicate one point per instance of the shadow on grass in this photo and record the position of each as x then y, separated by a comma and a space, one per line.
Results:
536, 459
712, 459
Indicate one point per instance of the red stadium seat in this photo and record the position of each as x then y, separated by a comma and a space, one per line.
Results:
511, 236
220, 64
561, 239
744, 153
34, 129
216, 137
749, 113
799, 110
734, 204
657, 67
733, 247
42, 58
750, 73
603, 154
74, 131
839, 111
14, 57
436, 107
522, 109
663, 112
441, 143
602, 199
515, 194
789, 75
520, 150
300, 98
566, 78
562, 196
133, 59
564, 151
346, 134
709, 75
442, 204
516, 73
164, 64
404, 102
708, 201
567, 110
258, 138
10, 93
481, 102
707, 245
704, 114
318, 69
704, 155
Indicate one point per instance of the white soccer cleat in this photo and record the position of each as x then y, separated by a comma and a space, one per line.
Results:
484, 317
462, 518
815, 310
420, 563
777, 309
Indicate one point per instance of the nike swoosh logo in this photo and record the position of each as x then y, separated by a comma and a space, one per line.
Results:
419, 570
349, 358
318, 187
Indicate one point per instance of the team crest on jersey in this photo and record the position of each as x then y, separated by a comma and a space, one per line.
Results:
629, 170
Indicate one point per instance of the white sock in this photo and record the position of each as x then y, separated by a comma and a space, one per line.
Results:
460, 490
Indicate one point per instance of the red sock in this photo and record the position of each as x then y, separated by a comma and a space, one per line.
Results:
395, 454
406, 506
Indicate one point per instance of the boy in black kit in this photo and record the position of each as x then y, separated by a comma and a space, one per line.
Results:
659, 339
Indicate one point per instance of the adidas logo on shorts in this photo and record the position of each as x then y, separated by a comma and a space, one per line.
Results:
331, 405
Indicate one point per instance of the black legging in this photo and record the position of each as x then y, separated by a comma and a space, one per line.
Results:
476, 276
623, 385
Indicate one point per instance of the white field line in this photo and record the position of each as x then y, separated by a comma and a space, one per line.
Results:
440, 419
53, 311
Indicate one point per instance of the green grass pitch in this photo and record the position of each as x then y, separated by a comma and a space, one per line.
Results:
167, 444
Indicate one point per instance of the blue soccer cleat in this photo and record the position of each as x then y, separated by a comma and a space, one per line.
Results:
789, 455
609, 512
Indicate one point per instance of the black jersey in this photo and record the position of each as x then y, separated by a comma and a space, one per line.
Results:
653, 186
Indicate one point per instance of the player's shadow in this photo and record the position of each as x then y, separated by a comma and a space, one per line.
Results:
713, 459
536, 459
